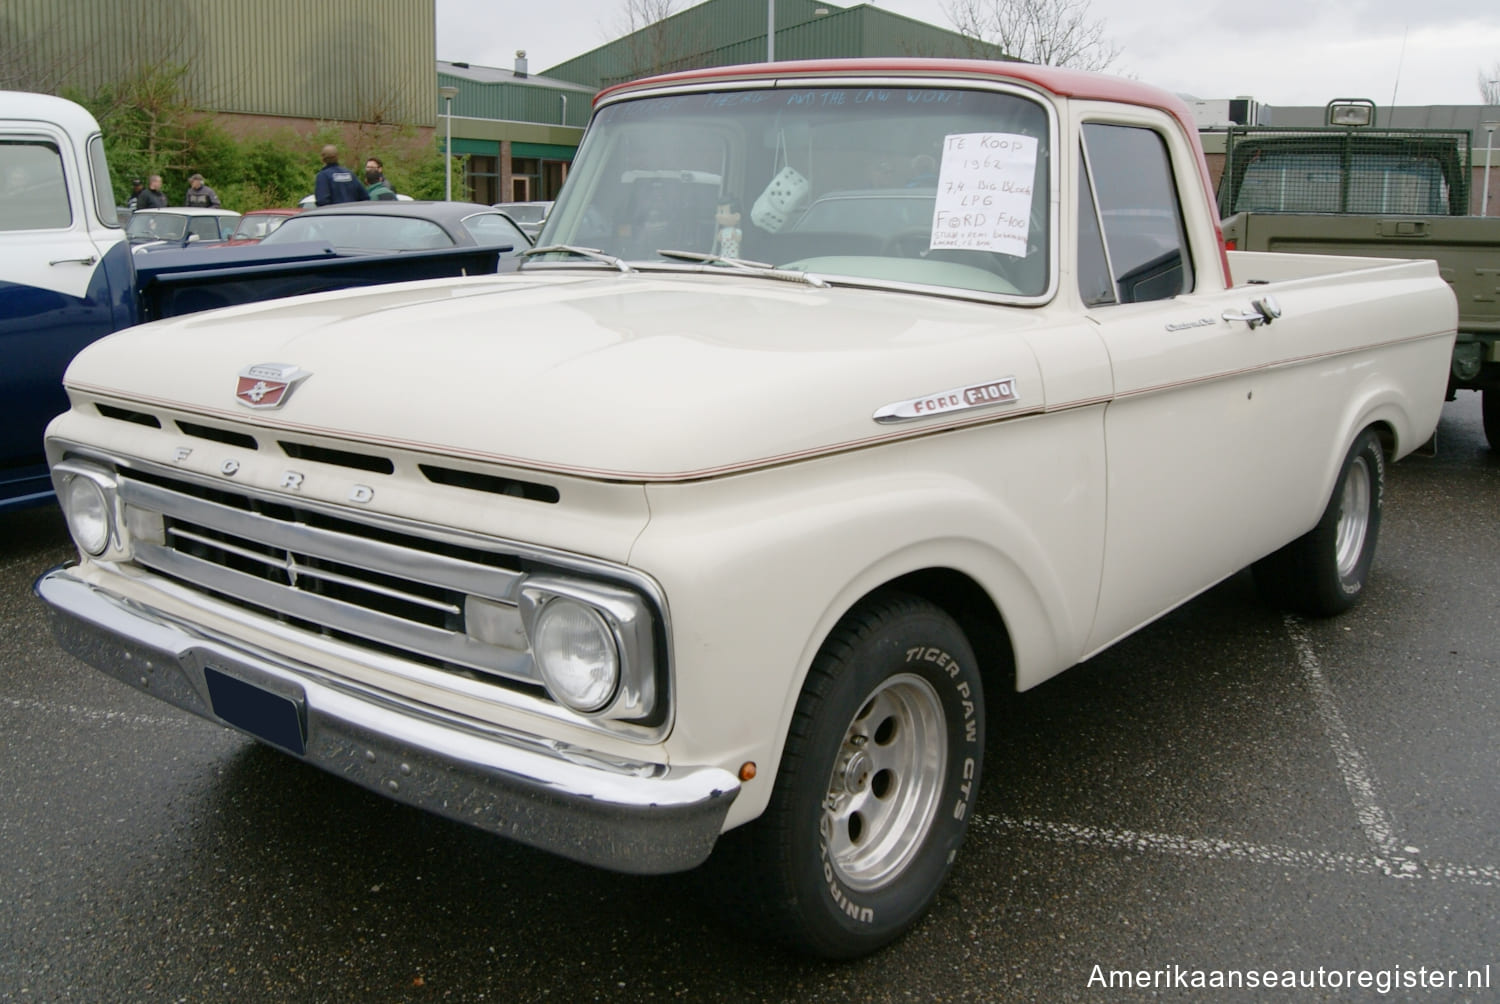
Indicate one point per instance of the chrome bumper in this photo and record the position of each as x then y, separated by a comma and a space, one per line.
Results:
627, 816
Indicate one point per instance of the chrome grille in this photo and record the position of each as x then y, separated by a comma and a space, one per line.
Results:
324, 573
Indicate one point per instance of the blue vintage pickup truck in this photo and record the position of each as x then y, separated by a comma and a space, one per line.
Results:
67, 276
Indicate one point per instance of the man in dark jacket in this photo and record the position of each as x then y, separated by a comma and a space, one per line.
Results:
336, 183
199, 194
152, 197
375, 183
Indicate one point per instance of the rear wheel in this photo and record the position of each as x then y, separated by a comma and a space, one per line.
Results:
876, 783
1491, 408
1323, 572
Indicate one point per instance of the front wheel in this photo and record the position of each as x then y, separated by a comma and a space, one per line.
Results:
877, 779
1323, 572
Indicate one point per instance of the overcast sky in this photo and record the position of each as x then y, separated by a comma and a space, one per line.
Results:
1281, 52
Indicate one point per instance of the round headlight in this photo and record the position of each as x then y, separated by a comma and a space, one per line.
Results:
575, 653
88, 513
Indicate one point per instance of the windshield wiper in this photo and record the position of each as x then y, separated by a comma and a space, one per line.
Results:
760, 268
593, 254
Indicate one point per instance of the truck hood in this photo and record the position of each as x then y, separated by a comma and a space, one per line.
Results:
638, 377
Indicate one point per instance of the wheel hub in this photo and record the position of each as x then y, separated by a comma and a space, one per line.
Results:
885, 783
856, 772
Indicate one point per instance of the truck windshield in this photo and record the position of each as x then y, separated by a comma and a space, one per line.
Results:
916, 185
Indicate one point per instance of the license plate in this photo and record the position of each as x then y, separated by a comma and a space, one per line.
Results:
273, 717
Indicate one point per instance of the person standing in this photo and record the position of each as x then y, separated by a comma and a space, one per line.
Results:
134, 202
375, 182
199, 194
151, 197
336, 183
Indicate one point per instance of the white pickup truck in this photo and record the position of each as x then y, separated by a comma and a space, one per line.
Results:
835, 396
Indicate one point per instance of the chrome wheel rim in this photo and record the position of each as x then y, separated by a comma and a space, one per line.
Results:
886, 781
1354, 517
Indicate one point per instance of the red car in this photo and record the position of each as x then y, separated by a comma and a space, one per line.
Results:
257, 223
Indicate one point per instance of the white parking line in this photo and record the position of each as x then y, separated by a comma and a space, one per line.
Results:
108, 717
1391, 857
1359, 778
1379, 828
1108, 838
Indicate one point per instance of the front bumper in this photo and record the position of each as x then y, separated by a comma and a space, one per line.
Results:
628, 816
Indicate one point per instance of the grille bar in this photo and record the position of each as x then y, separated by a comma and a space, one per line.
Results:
295, 570
328, 580
373, 555
432, 643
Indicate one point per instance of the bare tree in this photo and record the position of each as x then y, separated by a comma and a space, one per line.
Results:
653, 42
1052, 32
639, 14
1489, 85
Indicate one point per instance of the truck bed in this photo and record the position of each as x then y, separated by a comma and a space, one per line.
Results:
1466, 248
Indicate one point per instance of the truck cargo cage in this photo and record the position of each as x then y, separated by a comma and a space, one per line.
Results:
1337, 170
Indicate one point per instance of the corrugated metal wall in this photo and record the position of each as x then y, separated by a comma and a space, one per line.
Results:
726, 32
717, 26
351, 60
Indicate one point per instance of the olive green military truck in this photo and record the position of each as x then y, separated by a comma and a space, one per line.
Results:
1353, 189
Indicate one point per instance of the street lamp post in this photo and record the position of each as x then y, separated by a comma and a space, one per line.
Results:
1489, 148
448, 94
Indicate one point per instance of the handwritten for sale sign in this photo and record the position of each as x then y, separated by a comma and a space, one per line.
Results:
984, 192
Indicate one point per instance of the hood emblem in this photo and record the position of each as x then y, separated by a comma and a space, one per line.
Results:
979, 395
267, 385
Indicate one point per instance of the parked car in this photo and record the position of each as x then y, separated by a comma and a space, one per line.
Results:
68, 277
310, 201
369, 227
178, 226
255, 225
529, 216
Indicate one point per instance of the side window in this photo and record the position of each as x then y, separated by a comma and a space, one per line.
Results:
492, 228
1095, 284
33, 194
1130, 176
104, 195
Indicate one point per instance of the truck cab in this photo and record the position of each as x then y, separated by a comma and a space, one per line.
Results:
66, 268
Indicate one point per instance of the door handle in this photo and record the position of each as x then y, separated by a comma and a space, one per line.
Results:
1403, 228
1262, 311
77, 261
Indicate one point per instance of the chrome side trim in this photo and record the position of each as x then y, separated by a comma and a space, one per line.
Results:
627, 815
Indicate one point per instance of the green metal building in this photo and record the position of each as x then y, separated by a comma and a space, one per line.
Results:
520, 132
371, 63
336, 60
517, 133
727, 32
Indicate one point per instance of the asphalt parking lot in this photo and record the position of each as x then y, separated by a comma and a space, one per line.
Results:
1229, 791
